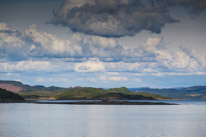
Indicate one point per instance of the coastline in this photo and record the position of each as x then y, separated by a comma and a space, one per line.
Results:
93, 102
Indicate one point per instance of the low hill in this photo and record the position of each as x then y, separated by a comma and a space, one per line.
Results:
11, 87
7, 96
89, 93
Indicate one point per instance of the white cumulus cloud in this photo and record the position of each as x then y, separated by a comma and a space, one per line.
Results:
113, 78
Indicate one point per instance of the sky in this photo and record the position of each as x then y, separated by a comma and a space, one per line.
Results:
110, 43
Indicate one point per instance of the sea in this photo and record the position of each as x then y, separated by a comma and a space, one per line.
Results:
188, 119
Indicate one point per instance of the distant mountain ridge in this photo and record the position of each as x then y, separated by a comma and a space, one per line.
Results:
16, 86
189, 93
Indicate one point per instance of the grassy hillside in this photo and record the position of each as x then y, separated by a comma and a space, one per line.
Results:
99, 93
89, 93
9, 96
36, 94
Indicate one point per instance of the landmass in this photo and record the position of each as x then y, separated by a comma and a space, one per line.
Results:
31, 94
75, 93
40, 92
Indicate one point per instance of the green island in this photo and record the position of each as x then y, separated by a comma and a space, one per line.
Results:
90, 93
111, 96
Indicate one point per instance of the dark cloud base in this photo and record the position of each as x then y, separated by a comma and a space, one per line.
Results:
112, 18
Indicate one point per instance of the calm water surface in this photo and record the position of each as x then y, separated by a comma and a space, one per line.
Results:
55, 120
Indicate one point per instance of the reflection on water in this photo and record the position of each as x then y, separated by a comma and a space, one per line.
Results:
64, 101
50, 120
182, 102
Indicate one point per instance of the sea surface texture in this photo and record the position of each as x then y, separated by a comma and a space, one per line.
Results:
57, 120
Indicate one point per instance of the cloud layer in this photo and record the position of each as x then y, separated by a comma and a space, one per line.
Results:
34, 50
116, 18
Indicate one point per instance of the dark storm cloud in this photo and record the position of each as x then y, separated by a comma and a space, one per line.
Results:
112, 18
194, 6
116, 18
